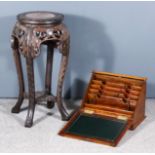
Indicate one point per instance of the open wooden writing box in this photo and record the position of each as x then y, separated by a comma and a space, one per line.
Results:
112, 104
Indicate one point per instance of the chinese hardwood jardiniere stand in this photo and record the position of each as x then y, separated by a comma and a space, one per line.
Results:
31, 30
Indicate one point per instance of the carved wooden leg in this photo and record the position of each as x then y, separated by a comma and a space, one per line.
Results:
17, 59
50, 104
31, 85
62, 71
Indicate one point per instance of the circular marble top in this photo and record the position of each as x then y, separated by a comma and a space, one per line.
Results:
40, 17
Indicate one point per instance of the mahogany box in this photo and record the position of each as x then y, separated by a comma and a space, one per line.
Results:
113, 103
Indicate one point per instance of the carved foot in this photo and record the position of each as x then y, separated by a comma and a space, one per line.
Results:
50, 104
29, 123
64, 115
30, 114
16, 108
65, 118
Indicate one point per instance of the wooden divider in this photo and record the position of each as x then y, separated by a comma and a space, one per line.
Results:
121, 92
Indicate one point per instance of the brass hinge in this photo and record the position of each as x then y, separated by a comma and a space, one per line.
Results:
122, 117
88, 111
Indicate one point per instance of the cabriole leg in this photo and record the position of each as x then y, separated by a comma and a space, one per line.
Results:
61, 76
17, 59
31, 85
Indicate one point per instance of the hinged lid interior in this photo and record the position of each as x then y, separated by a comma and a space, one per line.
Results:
113, 94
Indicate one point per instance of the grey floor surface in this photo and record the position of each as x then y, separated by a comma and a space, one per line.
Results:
43, 137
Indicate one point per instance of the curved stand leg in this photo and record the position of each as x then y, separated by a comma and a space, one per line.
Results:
17, 59
50, 104
30, 74
62, 71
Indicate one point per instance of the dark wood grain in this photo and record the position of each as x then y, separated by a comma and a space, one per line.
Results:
31, 30
17, 59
